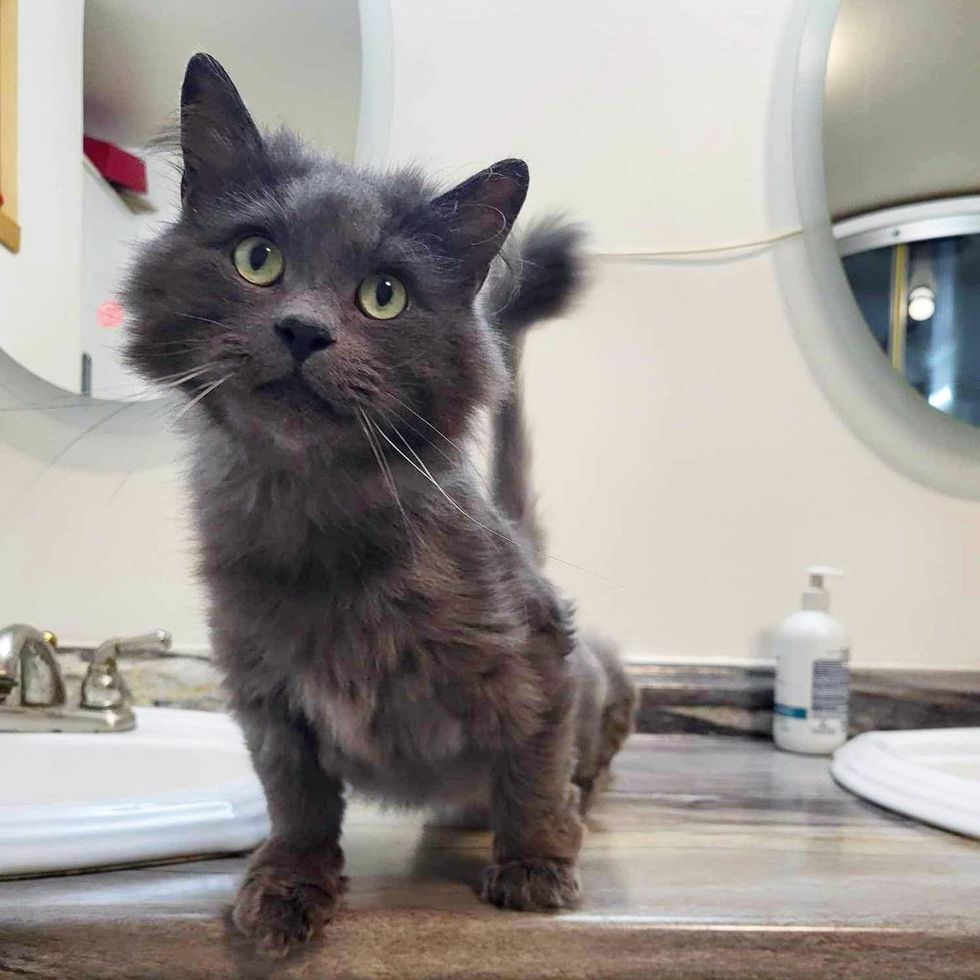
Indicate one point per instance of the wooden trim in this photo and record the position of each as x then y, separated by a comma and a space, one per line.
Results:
9, 229
9, 233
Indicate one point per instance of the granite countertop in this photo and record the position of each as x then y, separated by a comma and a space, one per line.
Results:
704, 699
712, 857
712, 699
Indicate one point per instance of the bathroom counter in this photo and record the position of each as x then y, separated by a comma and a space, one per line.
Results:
711, 857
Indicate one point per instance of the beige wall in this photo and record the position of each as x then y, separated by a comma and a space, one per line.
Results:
683, 450
687, 454
91, 554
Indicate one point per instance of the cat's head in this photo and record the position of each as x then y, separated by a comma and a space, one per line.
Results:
310, 294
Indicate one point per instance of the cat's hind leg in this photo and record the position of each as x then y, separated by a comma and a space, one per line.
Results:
605, 706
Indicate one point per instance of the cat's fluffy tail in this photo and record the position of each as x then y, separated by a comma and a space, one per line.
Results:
539, 277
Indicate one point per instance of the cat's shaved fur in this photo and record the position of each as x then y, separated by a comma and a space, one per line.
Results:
380, 618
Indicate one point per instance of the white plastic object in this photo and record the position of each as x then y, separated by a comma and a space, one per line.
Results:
932, 775
812, 683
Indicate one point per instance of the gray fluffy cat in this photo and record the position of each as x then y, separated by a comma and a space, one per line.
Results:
380, 618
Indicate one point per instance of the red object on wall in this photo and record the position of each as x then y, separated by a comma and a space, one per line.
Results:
110, 314
117, 166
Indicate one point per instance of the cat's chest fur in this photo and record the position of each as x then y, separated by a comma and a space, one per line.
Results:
394, 720
383, 645
389, 678
394, 740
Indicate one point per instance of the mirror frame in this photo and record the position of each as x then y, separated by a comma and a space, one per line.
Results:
61, 427
875, 402
946, 217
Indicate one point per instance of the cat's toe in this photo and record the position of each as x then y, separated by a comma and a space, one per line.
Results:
532, 885
280, 911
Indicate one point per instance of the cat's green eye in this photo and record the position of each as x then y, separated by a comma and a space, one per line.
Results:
382, 296
258, 260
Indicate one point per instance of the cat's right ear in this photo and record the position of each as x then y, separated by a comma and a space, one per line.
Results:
216, 130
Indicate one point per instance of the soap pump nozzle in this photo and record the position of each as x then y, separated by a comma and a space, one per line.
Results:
816, 596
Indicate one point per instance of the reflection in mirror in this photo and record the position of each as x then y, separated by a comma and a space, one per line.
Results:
915, 272
902, 153
296, 63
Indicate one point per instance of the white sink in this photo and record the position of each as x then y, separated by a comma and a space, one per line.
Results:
180, 784
932, 775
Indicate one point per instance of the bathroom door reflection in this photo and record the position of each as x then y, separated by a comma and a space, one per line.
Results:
934, 287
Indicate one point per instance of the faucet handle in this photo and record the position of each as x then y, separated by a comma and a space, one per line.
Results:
103, 686
157, 641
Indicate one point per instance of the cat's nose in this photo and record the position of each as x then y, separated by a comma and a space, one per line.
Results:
303, 338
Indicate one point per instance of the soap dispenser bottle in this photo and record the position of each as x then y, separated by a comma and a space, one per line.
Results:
812, 684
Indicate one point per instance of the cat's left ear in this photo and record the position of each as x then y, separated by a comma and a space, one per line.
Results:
478, 214
217, 133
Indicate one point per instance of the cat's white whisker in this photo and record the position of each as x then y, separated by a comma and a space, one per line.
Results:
462, 455
425, 421
199, 397
99, 396
386, 474
66, 449
442, 452
172, 380
202, 319
424, 470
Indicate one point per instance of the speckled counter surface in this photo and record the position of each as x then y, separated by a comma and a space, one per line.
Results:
705, 699
712, 857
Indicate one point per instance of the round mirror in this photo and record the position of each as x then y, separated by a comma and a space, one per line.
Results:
902, 158
886, 152
296, 63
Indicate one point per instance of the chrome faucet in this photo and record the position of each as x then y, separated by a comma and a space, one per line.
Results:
28, 660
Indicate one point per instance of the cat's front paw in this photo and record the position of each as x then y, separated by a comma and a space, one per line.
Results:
532, 885
285, 900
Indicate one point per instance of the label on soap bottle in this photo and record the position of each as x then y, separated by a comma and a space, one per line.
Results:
829, 688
